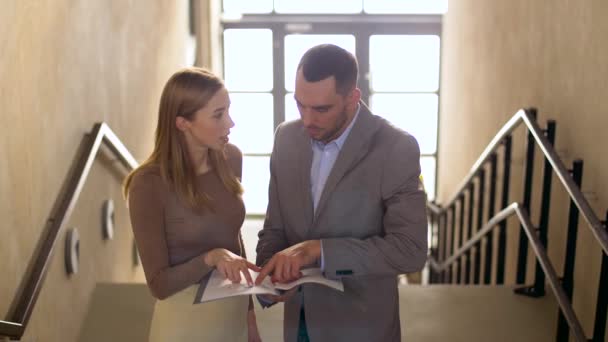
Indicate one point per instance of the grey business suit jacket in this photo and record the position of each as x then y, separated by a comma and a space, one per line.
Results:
371, 219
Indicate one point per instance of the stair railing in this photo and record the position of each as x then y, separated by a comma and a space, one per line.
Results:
24, 302
447, 222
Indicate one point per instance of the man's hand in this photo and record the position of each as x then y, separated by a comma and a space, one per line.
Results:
230, 265
285, 265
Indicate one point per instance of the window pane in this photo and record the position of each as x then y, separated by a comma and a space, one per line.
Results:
247, 6
253, 129
297, 44
291, 109
248, 59
427, 165
411, 65
317, 6
256, 175
414, 113
409, 6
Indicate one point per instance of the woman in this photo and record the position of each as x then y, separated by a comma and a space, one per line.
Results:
186, 211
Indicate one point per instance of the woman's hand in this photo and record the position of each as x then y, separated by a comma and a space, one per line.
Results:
253, 335
230, 265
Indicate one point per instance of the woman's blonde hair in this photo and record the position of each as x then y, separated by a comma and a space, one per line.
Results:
186, 92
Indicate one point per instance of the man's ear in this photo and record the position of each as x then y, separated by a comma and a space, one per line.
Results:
355, 97
181, 123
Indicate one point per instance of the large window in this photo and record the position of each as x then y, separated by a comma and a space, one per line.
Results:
248, 72
336, 6
397, 44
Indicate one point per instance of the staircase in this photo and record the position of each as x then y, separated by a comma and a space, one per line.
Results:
474, 313
442, 311
459, 250
439, 313
433, 313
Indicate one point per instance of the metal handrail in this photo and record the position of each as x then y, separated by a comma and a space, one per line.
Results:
522, 116
24, 302
539, 250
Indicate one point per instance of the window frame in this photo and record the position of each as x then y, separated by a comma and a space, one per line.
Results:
366, 25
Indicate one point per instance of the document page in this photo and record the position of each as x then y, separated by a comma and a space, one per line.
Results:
217, 287
312, 275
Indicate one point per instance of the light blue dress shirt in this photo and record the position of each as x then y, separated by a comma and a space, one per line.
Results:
323, 159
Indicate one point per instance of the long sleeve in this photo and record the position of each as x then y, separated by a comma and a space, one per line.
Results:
147, 198
402, 246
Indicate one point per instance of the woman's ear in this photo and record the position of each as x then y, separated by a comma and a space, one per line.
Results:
181, 123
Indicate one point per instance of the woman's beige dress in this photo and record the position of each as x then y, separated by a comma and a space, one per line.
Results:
172, 241
177, 319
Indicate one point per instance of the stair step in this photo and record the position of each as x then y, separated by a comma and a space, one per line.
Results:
475, 313
456, 313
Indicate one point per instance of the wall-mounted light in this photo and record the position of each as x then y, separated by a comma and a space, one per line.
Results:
107, 219
72, 251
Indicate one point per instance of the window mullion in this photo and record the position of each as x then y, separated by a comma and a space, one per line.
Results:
278, 90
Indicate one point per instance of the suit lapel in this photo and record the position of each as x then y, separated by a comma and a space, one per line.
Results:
354, 149
305, 163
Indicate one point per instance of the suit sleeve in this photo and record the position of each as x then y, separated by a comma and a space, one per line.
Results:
402, 246
271, 238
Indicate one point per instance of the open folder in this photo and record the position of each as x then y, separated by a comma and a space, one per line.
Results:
217, 287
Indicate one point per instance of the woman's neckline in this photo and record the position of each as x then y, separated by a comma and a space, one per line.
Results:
209, 171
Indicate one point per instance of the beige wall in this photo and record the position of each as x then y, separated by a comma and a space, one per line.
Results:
209, 34
65, 65
499, 56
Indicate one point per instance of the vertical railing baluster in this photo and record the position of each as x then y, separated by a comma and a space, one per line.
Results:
461, 200
432, 273
543, 227
451, 244
446, 246
490, 237
480, 206
601, 308
563, 330
439, 240
522, 256
467, 254
444, 242
436, 248
502, 233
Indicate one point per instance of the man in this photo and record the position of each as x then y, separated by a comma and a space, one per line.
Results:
345, 196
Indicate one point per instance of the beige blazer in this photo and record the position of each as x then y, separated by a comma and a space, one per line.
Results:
371, 219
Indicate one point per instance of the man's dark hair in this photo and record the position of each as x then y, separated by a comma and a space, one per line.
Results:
326, 60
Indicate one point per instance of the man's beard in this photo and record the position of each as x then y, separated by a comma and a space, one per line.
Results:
333, 134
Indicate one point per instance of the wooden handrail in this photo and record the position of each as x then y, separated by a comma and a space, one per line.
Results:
24, 302
524, 116
534, 237
541, 255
